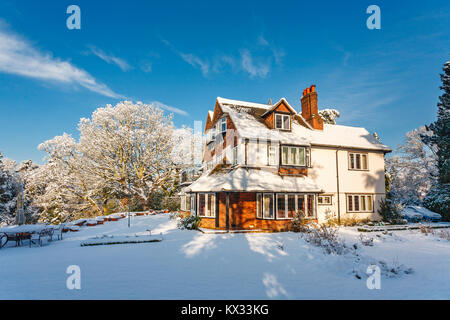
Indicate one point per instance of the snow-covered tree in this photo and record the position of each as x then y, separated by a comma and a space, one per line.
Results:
8, 193
129, 146
329, 115
13, 182
126, 150
412, 170
438, 137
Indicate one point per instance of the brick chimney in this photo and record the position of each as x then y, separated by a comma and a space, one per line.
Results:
310, 109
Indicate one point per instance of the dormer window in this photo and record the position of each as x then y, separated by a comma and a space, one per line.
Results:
282, 121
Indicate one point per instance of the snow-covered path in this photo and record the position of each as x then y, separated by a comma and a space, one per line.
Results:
193, 265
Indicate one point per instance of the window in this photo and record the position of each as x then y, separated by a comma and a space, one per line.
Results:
324, 200
359, 203
310, 212
283, 121
188, 203
268, 206
259, 205
285, 205
211, 135
291, 206
223, 124
192, 204
281, 206
293, 156
201, 204
272, 155
206, 204
235, 156
358, 161
308, 157
301, 203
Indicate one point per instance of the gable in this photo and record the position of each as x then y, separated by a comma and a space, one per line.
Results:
282, 108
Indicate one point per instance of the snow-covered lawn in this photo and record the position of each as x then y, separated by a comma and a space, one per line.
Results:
193, 265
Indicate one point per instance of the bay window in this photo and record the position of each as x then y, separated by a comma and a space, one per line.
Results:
284, 205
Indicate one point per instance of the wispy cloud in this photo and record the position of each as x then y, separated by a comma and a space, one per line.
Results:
260, 69
109, 58
170, 108
256, 63
196, 62
17, 56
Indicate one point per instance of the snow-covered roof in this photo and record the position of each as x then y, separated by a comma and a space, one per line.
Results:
252, 180
345, 136
249, 124
210, 113
243, 103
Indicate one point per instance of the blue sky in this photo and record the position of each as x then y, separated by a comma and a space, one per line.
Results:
184, 54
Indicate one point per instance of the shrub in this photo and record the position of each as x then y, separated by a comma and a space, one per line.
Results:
190, 222
389, 211
326, 238
171, 203
298, 223
156, 200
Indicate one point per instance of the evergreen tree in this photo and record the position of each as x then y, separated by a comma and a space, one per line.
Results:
438, 199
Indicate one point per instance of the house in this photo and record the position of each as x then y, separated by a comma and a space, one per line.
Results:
265, 162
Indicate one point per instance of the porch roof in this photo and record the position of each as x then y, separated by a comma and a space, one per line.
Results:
252, 180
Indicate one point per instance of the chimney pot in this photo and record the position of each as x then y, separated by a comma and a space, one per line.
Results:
304, 92
313, 88
308, 90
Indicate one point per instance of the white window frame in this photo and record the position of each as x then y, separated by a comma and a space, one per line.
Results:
355, 164
323, 203
213, 207
283, 117
272, 151
193, 205
368, 204
289, 153
275, 196
264, 207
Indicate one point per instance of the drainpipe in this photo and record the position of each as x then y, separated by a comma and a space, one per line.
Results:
337, 185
